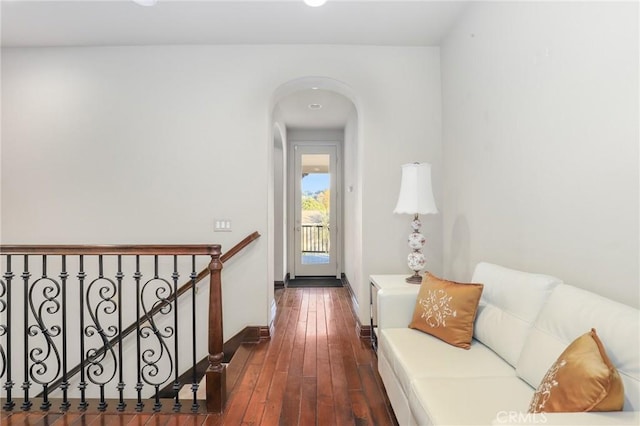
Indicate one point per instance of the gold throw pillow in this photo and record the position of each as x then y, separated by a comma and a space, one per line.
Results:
582, 379
447, 310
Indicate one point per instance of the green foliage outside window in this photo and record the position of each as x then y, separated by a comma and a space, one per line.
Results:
310, 203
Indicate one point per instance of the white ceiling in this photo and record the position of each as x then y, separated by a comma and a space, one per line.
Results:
170, 22
333, 113
123, 22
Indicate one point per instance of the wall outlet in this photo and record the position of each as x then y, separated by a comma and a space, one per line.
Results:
222, 225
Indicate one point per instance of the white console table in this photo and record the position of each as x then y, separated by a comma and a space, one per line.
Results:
377, 283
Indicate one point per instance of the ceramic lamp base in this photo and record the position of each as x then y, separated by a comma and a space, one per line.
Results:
415, 260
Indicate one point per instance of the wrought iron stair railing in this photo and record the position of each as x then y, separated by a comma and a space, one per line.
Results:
63, 321
182, 290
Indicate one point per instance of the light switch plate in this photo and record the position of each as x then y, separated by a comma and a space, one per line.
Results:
222, 225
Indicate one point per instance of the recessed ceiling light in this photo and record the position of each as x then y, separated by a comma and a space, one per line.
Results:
314, 88
314, 3
146, 2
315, 106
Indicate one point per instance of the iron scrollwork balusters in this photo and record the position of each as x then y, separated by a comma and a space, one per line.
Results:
65, 379
83, 383
137, 276
46, 361
101, 290
26, 384
155, 293
46, 312
176, 382
121, 384
6, 330
3, 328
195, 406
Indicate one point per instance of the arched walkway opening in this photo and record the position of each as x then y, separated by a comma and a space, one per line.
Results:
306, 114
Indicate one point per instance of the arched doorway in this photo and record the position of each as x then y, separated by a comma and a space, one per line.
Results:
288, 127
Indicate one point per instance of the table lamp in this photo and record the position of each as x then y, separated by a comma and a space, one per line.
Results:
416, 197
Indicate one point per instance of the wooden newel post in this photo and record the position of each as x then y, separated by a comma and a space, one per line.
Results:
216, 372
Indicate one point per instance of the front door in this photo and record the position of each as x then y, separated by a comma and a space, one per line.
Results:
315, 193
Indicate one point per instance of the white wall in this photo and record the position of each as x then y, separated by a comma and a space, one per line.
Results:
150, 144
540, 136
415, 136
279, 202
352, 211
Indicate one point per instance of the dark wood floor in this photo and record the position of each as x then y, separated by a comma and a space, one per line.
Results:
313, 371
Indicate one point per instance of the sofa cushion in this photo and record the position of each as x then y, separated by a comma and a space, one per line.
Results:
413, 354
447, 310
581, 379
467, 401
570, 311
509, 305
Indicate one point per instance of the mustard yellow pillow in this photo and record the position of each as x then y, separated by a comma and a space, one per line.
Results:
447, 310
582, 379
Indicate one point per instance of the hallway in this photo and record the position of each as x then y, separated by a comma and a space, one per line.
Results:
314, 370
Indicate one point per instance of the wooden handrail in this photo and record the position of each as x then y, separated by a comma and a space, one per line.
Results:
134, 250
238, 247
147, 250
170, 249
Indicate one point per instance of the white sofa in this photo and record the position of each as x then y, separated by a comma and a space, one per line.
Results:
523, 324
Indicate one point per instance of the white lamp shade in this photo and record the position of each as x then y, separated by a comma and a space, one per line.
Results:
416, 195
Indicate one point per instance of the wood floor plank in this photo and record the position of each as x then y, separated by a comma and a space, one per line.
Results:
326, 414
326, 402
287, 321
341, 396
349, 361
308, 400
273, 406
68, 419
237, 405
311, 294
295, 329
87, 419
291, 403
26, 419
213, 420
155, 420
140, 419
253, 415
333, 326
361, 412
373, 394
290, 410
183, 420
350, 367
113, 419
258, 398
321, 317
309, 368
296, 354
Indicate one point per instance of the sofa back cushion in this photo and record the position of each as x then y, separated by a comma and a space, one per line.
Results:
571, 312
510, 303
